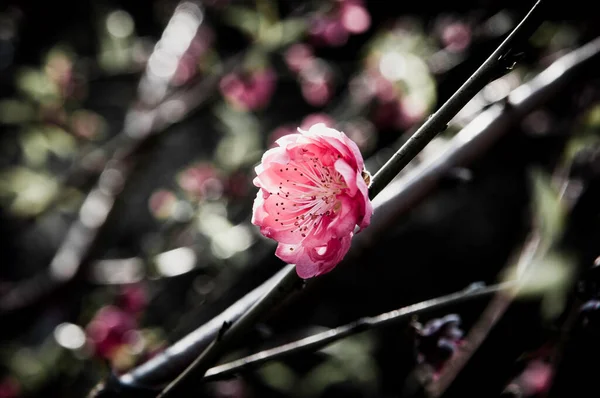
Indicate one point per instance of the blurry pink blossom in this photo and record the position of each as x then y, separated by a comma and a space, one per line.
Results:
313, 193
9, 388
316, 82
201, 180
161, 203
298, 56
250, 92
316, 94
108, 331
535, 379
456, 36
333, 29
132, 298
384, 88
327, 31
355, 18
371, 85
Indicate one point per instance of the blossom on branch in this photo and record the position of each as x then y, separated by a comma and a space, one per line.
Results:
313, 193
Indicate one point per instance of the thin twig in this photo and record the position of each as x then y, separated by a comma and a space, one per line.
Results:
320, 340
436, 123
398, 198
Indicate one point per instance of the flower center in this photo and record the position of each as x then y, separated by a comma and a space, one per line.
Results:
308, 192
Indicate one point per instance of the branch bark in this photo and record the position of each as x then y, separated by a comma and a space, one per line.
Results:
320, 340
396, 199
499, 61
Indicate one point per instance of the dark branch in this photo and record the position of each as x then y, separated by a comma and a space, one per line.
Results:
320, 340
500, 61
399, 197
435, 124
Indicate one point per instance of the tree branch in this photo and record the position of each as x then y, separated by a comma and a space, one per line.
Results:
398, 198
435, 124
500, 61
320, 340
534, 248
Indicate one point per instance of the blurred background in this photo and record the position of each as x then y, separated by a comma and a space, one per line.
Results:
129, 132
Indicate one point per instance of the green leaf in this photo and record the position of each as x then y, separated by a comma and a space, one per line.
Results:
30, 192
59, 142
278, 376
13, 111
349, 359
242, 142
36, 85
243, 18
34, 146
282, 33
548, 210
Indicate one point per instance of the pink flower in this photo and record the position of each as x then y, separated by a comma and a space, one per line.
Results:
313, 193
133, 298
251, 91
108, 330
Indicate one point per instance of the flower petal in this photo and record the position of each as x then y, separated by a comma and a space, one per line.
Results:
348, 173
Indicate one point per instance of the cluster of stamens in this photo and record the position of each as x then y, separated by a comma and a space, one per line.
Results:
311, 200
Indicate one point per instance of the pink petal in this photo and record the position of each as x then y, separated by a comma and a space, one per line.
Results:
287, 140
259, 214
367, 206
348, 173
346, 219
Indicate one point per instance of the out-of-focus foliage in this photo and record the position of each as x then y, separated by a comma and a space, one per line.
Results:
178, 245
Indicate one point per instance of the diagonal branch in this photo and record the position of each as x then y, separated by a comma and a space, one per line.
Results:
491, 68
496, 64
320, 340
534, 248
398, 198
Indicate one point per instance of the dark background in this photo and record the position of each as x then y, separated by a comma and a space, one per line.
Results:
466, 231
